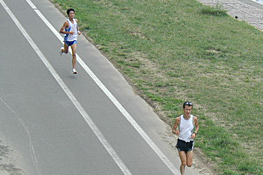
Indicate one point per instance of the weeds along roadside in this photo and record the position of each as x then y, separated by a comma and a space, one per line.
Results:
175, 50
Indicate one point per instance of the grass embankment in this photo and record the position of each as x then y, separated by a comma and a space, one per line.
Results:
177, 50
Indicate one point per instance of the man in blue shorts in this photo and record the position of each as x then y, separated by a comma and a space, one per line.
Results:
186, 127
71, 30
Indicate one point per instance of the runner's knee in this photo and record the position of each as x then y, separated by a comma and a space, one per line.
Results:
65, 50
183, 163
189, 164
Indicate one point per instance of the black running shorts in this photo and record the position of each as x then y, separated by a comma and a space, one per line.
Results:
184, 146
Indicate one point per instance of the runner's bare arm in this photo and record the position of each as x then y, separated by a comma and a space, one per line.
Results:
79, 32
196, 125
177, 123
196, 128
65, 25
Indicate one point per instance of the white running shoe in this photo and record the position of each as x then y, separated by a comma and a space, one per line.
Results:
61, 51
74, 71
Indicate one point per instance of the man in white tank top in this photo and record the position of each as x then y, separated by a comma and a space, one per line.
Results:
186, 127
71, 30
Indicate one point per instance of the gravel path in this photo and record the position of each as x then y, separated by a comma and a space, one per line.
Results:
245, 10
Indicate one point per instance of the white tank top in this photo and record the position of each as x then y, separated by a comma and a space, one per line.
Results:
186, 128
72, 28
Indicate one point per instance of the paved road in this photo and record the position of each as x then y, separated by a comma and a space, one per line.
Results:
57, 123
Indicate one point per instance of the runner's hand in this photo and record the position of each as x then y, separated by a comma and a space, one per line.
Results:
193, 136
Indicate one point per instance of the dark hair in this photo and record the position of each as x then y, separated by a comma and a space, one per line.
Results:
188, 103
69, 10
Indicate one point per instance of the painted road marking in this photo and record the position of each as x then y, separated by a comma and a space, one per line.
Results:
148, 140
82, 111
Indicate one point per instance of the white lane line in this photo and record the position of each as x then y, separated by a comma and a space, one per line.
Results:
168, 163
82, 111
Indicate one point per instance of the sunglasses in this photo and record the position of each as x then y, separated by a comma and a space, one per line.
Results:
187, 103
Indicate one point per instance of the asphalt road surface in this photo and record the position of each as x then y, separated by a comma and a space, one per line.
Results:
57, 123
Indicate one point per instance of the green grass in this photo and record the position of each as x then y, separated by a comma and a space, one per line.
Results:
177, 50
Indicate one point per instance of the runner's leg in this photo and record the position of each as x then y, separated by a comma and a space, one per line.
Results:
65, 50
74, 55
189, 158
182, 155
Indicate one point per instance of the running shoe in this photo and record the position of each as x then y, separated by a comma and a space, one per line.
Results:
74, 71
61, 51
